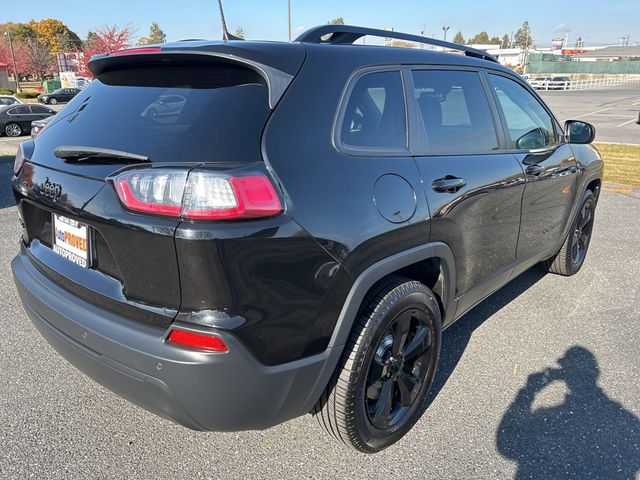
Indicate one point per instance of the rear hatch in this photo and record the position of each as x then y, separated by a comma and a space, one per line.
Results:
167, 112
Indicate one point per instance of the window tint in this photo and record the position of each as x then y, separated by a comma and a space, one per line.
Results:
39, 109
455, 112
529, 124
219, 119
20, 111
7, 101
375, 114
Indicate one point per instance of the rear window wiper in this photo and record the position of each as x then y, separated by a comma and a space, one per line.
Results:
71, 153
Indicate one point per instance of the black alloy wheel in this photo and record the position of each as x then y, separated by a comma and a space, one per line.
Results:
582, 234
570, 258
379, 390
396, 372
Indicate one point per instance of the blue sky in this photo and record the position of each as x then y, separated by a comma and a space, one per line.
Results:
597, 21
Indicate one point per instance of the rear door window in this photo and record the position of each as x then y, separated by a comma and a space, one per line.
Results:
216, 113
454, 111
20, 111
374, 116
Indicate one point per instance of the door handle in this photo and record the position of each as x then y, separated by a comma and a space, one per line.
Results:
448, 184
534, 170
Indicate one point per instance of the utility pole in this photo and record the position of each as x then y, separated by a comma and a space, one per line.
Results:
526, 52
13, 58
289, 17
444, 29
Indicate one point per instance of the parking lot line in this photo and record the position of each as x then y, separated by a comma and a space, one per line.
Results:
612, 115
591, 113
626, 123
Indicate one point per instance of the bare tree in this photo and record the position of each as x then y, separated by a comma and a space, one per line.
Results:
41, 61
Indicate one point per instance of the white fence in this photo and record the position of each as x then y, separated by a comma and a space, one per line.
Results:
540, 83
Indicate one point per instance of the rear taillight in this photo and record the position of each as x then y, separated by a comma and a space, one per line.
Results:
18, 162
199, 341
202, 195
156, 191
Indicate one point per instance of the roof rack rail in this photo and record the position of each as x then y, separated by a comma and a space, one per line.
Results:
347, 34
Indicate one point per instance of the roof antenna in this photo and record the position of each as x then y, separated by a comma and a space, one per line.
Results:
225, 33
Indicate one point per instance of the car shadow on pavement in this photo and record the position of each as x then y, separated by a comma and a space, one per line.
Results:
589, 435
456, 338
6, 171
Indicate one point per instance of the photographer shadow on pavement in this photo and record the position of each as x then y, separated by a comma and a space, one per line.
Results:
589, 435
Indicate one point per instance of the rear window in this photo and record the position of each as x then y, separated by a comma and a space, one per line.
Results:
176, 113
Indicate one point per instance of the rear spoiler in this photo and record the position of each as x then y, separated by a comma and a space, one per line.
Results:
277, 81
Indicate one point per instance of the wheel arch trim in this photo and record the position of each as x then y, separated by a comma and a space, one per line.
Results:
363, 283
386, 266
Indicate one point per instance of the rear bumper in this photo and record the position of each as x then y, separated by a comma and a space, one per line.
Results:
200, 390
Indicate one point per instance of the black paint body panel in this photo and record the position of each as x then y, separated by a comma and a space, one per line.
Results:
285, 290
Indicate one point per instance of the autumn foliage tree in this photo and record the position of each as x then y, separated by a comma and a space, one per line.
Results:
55, 34
41, 60
35, 44
104, 40
21, 55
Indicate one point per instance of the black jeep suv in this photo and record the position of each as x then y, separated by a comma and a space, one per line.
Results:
296, 234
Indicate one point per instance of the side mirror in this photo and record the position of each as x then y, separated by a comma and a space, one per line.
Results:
579, 132
531, 140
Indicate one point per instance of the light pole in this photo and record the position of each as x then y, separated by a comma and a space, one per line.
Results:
13, 58
289, 17
444, 29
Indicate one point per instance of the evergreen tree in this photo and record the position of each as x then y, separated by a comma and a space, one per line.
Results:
458, 38
523, 38
156, 35
480, 39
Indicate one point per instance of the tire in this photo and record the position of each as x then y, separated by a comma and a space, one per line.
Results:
569, 260
401, 316
12, 130
53, 101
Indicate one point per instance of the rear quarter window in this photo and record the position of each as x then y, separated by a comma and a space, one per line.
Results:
374, 116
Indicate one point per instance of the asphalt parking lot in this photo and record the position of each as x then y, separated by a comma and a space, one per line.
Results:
613, 110
491, 414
